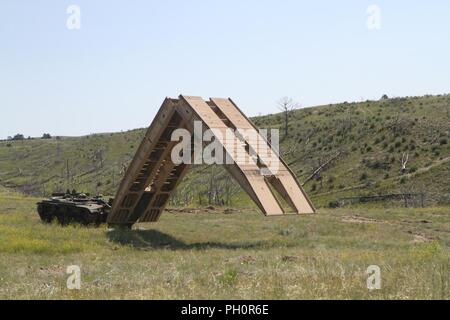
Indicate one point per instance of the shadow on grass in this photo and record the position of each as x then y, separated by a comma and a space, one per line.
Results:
154, 239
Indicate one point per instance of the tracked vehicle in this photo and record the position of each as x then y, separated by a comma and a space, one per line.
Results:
67, 208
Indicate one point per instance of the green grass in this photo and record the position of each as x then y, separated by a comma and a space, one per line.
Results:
236, 256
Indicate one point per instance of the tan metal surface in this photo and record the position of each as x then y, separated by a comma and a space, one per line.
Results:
248, 174
152, 177
139, 190
284, 181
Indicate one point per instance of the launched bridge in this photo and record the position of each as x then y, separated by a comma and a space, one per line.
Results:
152, 176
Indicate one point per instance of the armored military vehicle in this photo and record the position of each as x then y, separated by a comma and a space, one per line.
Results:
69, 208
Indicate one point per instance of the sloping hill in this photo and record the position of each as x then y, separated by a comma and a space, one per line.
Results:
358, 146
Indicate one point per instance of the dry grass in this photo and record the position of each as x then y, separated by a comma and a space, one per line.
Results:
238, 256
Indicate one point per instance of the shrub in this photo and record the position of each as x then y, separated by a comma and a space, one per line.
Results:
443, 141
333, 204
228, 278
18, 136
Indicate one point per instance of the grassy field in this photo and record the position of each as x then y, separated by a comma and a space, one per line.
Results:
243, 255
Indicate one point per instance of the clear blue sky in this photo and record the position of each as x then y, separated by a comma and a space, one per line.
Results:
114, 72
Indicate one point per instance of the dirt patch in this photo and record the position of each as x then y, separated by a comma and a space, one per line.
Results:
230, 211
359, 219
55, 270
289, 258
420, 237
247, 259
183, 210
210, 209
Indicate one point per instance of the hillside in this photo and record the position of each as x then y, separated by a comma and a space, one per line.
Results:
367, 141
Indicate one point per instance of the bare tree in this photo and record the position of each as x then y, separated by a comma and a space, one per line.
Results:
288, 150
287, 106
316, 173
58, 149
231, 189
123, 169
99, 156
67, 174
399, 124
405, 159
113, 176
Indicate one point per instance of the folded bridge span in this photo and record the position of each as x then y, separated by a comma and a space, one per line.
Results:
152, 177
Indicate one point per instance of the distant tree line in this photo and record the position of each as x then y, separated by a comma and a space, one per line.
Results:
20, 136
17, 137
